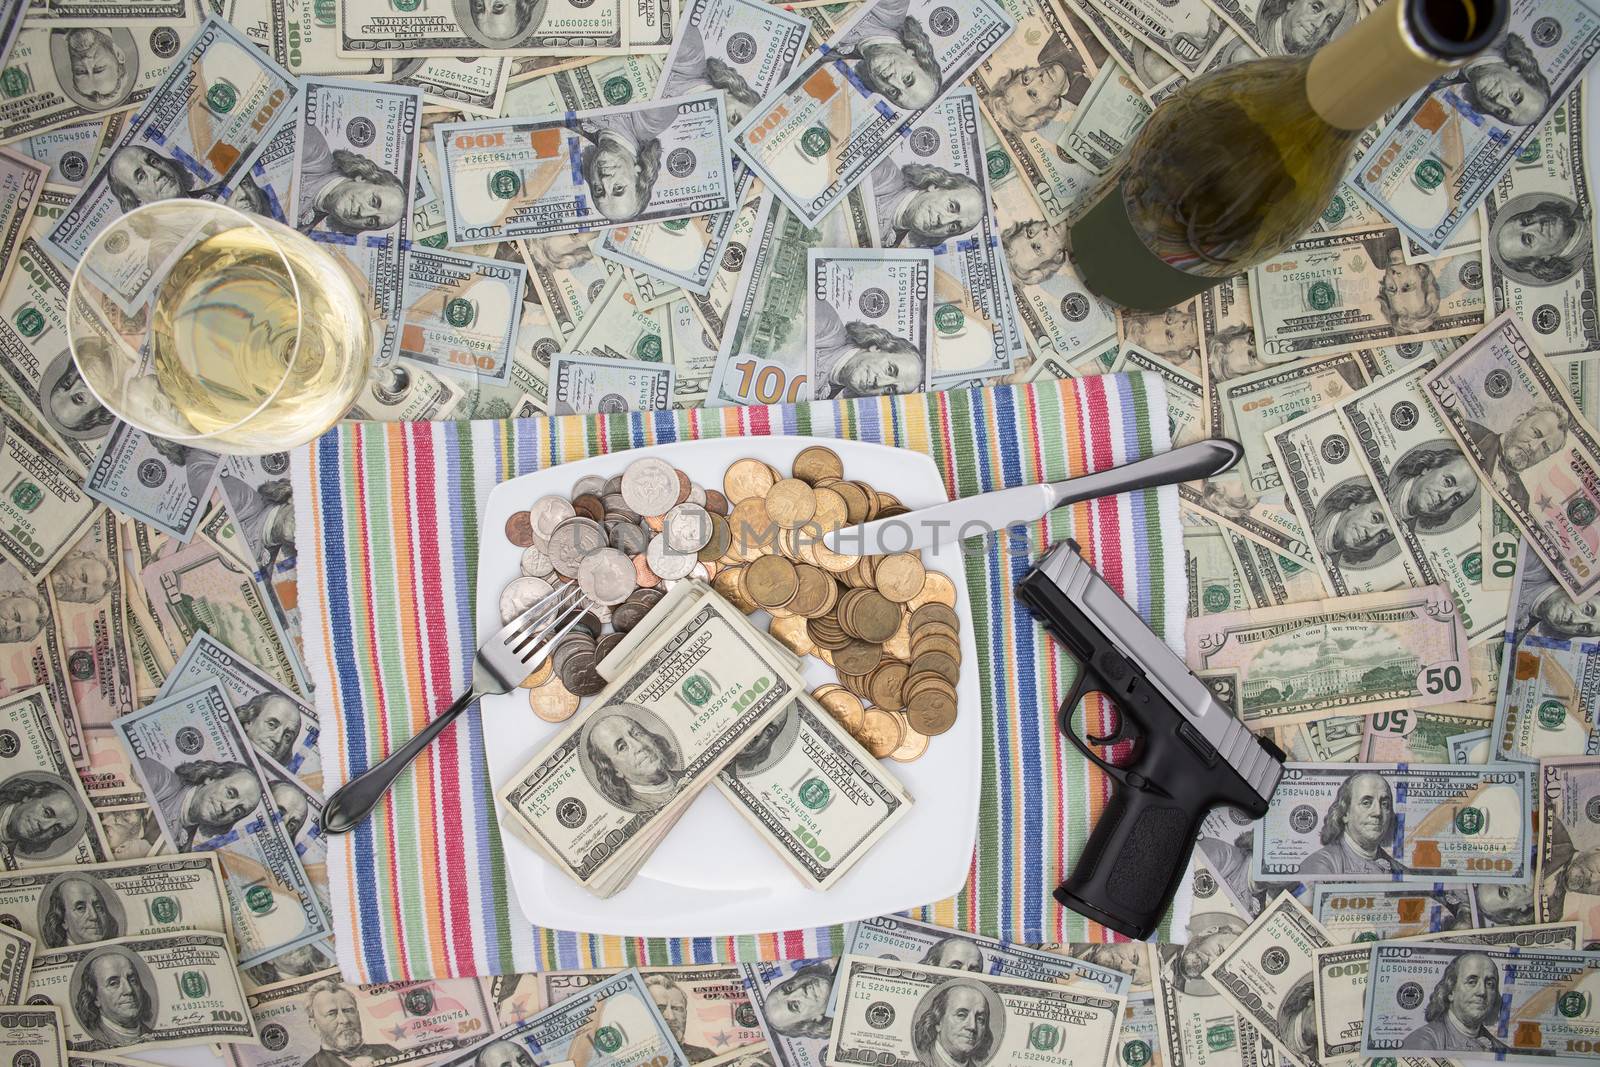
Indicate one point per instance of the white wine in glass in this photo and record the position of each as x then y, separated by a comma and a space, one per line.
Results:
198, 323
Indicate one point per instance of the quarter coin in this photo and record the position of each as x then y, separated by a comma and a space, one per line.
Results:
650, 486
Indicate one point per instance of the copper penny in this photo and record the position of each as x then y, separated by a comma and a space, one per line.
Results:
519, 529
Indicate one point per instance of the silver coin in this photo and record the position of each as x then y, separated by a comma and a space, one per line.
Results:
617, 508
697, 495
667, 564
547, 513
590, 483
686, 527
520, 595
606, 576
536, 564
614, 484
628, 537
571, 541
650, 486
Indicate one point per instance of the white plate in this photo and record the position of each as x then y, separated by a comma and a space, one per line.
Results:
713, 876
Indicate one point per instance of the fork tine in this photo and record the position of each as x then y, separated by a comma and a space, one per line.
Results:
539, 614
518, 641
548, 638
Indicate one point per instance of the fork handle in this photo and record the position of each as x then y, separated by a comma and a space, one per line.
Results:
355, 800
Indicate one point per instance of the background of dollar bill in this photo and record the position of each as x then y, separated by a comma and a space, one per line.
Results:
122, 595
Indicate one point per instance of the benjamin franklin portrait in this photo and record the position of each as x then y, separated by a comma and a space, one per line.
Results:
113, 996
41, 816
959, 1023
631, 757
95, 69
79, 909
1540, 239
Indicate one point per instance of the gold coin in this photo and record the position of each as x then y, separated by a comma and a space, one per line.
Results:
857, 657
875, 618
771, 581
880, 733
947, 667
540, 676
729, 584
935, 612
790, 503
855, 500
552, 702
750, 530
817, 462
944, 645
873, 499
747, 478
721, 538
912, 744
931, 711
791, 633
845, 707
934, 629
831, 511
937, 589
899, 646
814, 592
900, 576
885, 684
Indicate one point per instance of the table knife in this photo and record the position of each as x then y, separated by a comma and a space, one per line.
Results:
974, 516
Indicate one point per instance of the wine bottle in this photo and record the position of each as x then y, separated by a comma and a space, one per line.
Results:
1239, 163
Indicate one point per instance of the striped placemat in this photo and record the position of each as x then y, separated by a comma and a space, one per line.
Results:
387, 515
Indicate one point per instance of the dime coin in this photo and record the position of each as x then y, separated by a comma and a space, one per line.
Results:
589, 484
535, 563
547, 513
626, 536
520, 595
606, 576
552, 702
650, 486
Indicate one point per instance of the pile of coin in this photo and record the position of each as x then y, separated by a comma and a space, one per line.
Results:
886, 624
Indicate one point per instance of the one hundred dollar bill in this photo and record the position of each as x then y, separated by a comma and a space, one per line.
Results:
604, 385
392, 1022
607, 81
44, 509
932, 191
1517, 427
1342, 972
21, 185
1031, 87
402, 392
1354, 289
88, 605
196, 135
764, 358
1361, 912
356, 150
894, 937
611, 1023
869, 321
89, 70
645, 162
278, 724
28, 656
1273, 30
209, 793
1568, 877
16, 961
35, 1034
302, 37
591, 838
706, 1006
1516, 1004
1357, 654
1377, 822
473, 85
1439, 156
1550, 702
39, 363
154, 992
1267, 975
436, 28
203, 587
1430, 493
1336, 501
745, 47
1112, 112
1187, 33
461, 313
1409, 736
1541, 235
1470, 748
814, 794
68, 151
617, 327
881, 1005
837, 115
49, 823
793, 1002
80, 905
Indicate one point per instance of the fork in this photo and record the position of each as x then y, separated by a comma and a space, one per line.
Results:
502, 663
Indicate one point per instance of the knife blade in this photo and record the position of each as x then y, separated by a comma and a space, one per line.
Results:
985, 513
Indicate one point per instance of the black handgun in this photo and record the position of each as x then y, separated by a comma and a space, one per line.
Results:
1189, 753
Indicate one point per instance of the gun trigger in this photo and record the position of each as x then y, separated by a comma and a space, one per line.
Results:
1088, 683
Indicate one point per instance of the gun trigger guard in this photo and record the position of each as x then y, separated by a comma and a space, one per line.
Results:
1085, 685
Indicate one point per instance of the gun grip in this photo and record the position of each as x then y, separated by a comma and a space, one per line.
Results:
1133, 862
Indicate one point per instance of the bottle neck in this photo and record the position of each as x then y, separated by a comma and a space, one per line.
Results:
1374, 65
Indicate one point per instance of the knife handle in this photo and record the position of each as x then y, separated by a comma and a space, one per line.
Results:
1202, 459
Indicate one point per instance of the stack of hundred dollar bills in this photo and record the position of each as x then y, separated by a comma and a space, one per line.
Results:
733, 202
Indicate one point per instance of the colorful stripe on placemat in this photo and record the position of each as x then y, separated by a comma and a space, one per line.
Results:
388, 568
